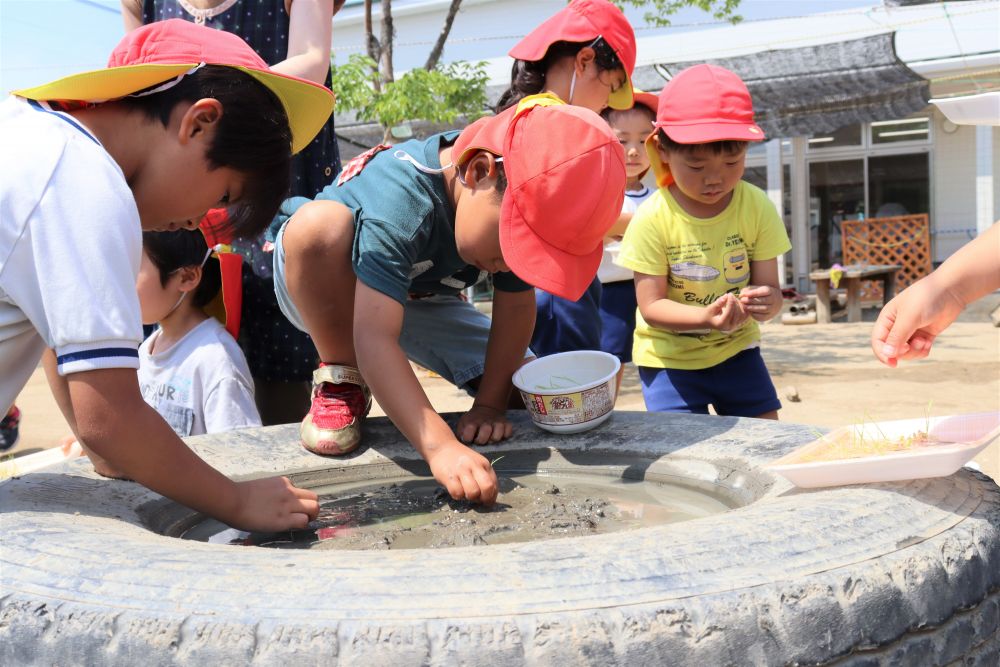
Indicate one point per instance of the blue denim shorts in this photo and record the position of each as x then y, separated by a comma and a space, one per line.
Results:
740, 387
443, 333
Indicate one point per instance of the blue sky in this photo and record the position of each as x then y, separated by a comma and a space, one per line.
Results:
41, 40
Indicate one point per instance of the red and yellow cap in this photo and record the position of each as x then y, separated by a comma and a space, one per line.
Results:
164, 51
583, 21
700, 105
565, 173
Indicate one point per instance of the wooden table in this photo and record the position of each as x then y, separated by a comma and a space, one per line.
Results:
853, 275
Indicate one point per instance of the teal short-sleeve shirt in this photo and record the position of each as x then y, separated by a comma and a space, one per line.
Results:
404, 224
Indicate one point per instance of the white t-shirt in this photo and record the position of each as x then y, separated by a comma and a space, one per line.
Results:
70, 246
609, 271
200, 384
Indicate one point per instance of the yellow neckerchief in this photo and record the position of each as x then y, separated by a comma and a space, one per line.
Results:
538, 100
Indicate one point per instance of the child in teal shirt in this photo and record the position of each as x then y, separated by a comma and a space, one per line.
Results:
372, 270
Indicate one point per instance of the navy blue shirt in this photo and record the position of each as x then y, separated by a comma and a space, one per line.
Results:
404, 239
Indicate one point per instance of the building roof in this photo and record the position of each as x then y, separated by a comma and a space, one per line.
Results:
935, 40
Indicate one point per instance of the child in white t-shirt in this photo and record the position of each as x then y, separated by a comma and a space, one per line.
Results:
618, 302
191, 370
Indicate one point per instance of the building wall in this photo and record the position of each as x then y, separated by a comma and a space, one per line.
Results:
953, 184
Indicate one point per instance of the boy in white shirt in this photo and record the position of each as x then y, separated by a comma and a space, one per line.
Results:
183, 119
191, 370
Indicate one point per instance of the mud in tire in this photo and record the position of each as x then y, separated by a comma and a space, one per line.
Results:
883, 574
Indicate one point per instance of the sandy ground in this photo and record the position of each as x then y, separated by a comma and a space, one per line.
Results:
829, 367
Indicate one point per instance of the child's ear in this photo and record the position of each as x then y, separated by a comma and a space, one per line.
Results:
584, 57
661, 150
199, 118
480, 172
190, 277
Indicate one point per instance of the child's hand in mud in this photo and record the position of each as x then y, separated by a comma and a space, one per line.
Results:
726, 313
465, 473
761, 302
273, 504
482, 425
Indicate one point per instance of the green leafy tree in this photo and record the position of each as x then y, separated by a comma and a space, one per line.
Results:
660, 11
367, 85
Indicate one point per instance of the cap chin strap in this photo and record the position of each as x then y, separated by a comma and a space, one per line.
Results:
176, 305
572, 81
216, 248
166, 85
406, 157
400, 154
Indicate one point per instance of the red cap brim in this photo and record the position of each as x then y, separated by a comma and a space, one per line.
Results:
543, 265
703, 133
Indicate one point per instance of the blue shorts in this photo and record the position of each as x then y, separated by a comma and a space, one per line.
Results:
562, 325
740, 387
618, 306
443, 333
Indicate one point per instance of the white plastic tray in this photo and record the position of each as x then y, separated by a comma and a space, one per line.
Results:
959, 437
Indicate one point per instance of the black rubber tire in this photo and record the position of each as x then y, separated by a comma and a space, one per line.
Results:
883, 574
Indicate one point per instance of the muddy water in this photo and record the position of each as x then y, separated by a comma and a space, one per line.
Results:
412, 514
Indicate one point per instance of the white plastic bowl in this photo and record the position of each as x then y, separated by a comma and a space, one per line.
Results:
569, 392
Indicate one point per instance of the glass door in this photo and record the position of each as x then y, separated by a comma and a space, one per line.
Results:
836, 193
898, 184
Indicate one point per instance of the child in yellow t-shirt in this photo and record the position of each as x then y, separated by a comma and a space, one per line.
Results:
704, 250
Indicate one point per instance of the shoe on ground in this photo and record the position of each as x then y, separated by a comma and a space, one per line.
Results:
340, 401
9, 429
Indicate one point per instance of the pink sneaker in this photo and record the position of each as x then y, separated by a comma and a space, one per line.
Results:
340, 402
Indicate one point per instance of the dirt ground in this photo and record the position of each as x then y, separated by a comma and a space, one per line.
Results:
830, 368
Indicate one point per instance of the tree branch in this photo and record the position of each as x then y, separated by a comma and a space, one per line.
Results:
435, 54
372, 45
387, 38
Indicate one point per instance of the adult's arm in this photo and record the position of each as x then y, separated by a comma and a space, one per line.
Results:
908, 325
310, 35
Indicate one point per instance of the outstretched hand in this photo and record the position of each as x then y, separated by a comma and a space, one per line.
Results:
909, 323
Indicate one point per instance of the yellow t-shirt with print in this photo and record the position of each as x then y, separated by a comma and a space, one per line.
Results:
702, 258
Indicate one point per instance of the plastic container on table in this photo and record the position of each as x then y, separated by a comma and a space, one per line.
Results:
889, 451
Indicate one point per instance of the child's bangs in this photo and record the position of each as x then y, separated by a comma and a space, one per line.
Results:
726, 147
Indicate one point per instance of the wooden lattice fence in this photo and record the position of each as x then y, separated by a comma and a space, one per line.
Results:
903, 240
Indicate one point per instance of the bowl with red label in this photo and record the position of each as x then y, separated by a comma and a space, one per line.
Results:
569, 392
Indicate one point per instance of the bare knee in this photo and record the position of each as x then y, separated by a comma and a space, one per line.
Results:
320, 230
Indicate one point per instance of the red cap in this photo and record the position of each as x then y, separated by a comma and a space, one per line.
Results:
707, 103
585, 21
164, 51
648, 100
565, 185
